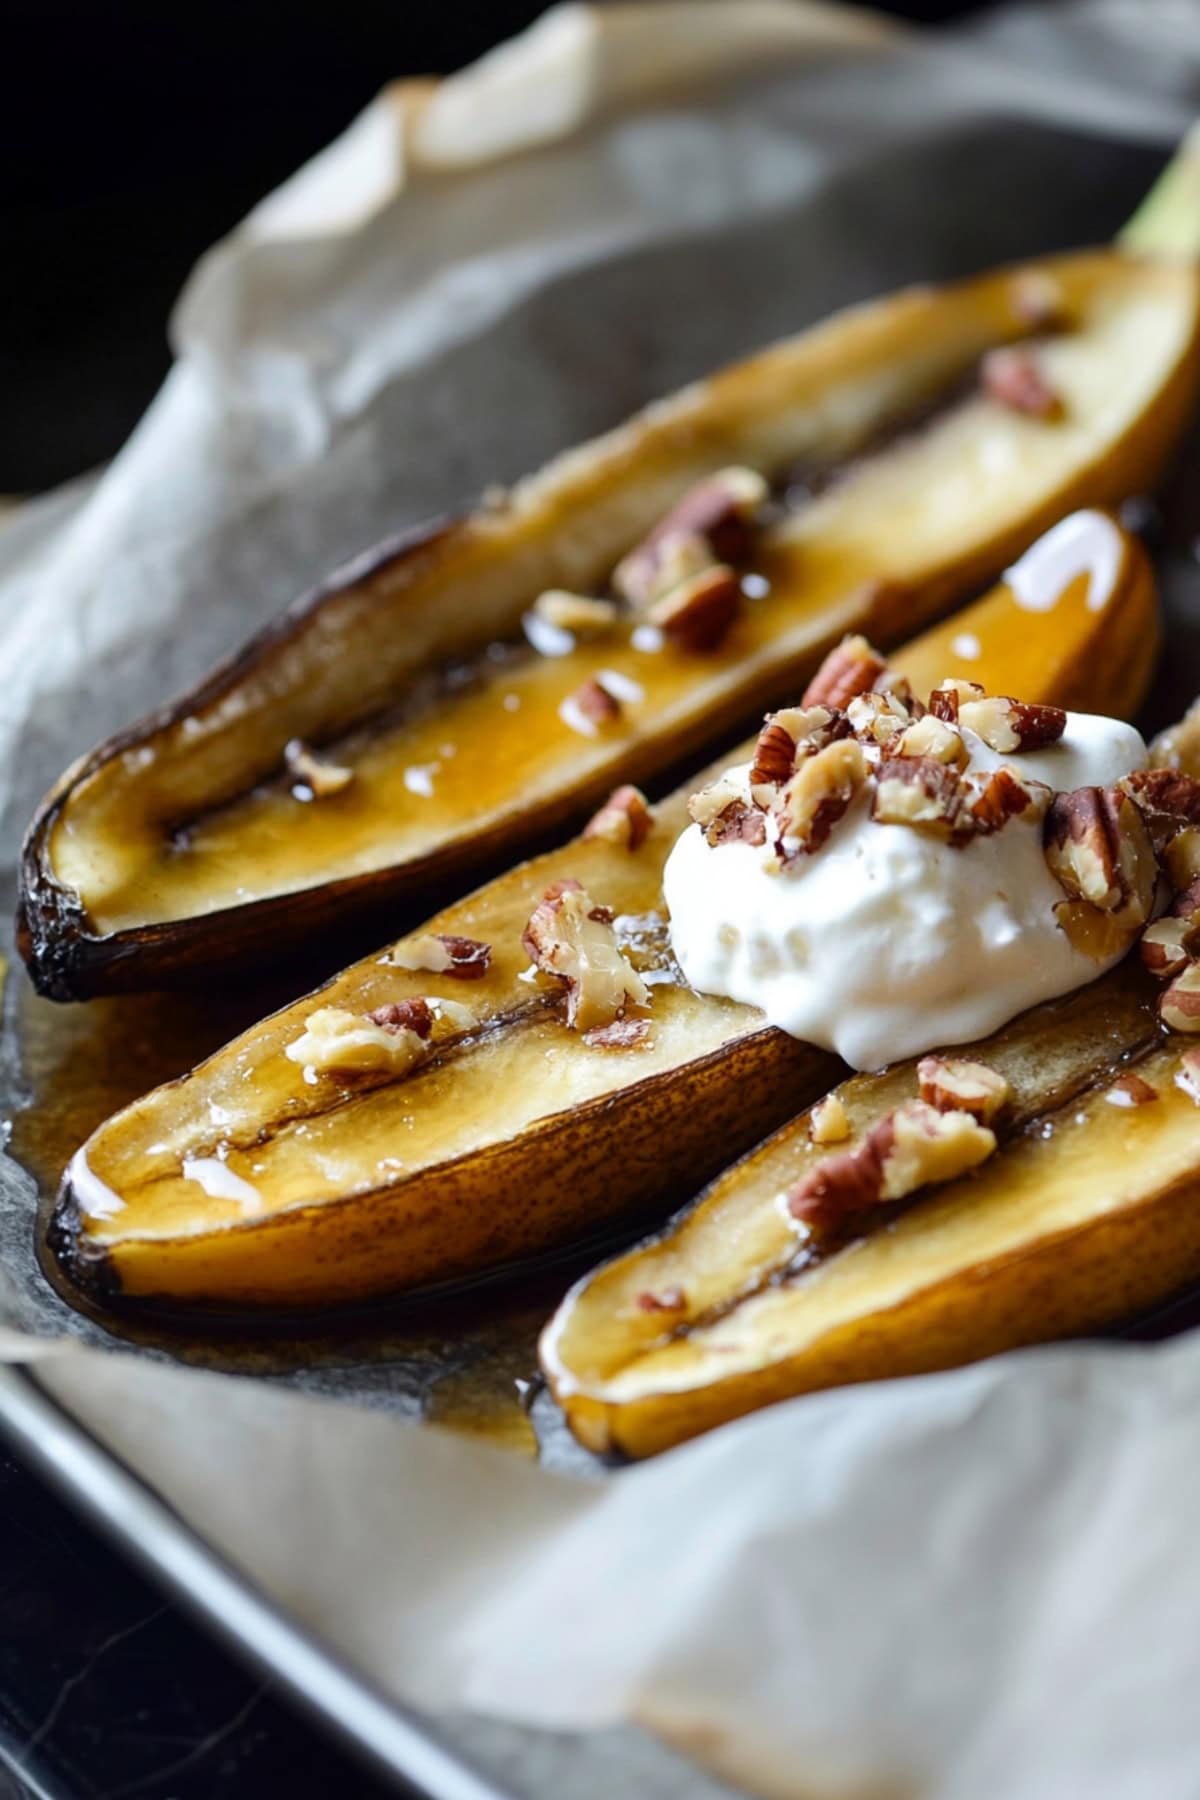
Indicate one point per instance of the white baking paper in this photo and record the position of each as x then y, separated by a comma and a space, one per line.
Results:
979, 1584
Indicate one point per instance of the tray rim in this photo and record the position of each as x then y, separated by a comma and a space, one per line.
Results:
396, 1741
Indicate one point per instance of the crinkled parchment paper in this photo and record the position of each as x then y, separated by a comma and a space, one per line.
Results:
982, 1583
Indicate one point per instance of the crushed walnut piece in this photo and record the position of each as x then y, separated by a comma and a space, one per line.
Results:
914, 1146
1168, 946
931, 736
335, 1041
1167, 799
951, 693
1000, 796
818, 795
962, 1084
879, 718
1012, 375
624, 819
851, 668
315, 778
920, 792
828, 1122
571, 938
788, 736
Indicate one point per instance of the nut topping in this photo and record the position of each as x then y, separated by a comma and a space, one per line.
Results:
951, 693
624, 819
786, 736
462, 958
1002, 797
738, 824
921, 792
1179, 746
1130, 1090
827, 1122
335, 1041
933, 737
1098, 850
961, 1084
1012, 376
1010, 726
1179, 1004
851, 668
315, 778
1187, 1075
579, 614
712, 523
1166, 798
697, 613
879, 718
1167, 946
592, 701
571, 938
908, 1149
818, 794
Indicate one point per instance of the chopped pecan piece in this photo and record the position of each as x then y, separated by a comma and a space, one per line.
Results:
312, 773
786, 736
1179, 1004
910, 1148
622, 1034
1167, 946
335, 1041
579, 614
1187, 1075
921, 792
713, 522
1130, 1090
738, 824
462, 958
851, 668
1098, 849
593, 702
624, 819
933, 737
1001, 797
827, 1122
879, 718
818, 794
404, 1015
669, 1299
1179, 746
1012, 376
571, 938
1167, 800
1010, 726
951, 693
960, 1084
698, 612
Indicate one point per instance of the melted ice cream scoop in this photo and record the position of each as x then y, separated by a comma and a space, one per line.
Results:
888, 940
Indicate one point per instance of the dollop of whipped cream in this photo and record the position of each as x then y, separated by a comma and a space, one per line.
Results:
889, 941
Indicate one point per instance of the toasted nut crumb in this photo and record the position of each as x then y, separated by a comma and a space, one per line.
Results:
933, 737
1181, 858
879, 718
738, 824
462, 958
593, 700
1166, 946
1001, 797
697, 613
819, 793
668, 1299
923, 793
579, 614
1098, 849
1166, 798
571, 938
1130, 1090
851, 668
828, 1122
313, 772
1179, 746
337, 1041
787, 736
713, 522
1179, 1004
910, 1148
624, 819
1012, 376
1010, 726
1187, 1075
962, 1084
951, 693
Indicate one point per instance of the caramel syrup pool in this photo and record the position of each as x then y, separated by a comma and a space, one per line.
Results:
467, 1363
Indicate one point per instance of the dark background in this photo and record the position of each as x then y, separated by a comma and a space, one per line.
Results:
133, 134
